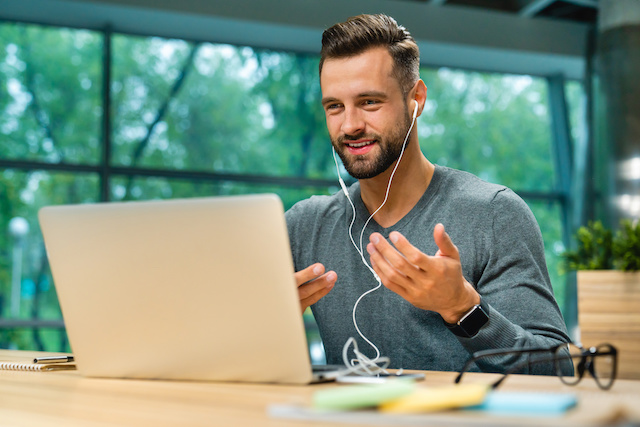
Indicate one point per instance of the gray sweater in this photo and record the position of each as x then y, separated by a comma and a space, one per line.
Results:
502, 255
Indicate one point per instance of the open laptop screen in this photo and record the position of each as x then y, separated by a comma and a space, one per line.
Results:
197, 289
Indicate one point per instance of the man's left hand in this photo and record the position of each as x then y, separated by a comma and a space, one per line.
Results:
428, 282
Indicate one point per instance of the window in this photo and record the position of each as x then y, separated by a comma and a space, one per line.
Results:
50, 115
185, 119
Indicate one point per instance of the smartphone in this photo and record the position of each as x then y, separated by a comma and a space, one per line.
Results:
377, 379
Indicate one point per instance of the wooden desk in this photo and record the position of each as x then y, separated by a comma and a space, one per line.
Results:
66, 398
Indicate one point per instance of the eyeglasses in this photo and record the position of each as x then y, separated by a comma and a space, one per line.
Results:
568, 361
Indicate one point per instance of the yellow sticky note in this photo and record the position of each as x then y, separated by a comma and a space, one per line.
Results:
431, 399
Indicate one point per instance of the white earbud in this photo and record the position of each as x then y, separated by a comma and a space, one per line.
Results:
415, 110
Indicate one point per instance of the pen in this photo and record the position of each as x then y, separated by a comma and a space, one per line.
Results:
53, 359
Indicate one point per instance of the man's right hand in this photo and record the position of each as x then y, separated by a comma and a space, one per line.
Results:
313, 284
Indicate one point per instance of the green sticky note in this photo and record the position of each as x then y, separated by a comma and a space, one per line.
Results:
361, 396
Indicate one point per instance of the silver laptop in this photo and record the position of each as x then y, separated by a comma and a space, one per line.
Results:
192, 289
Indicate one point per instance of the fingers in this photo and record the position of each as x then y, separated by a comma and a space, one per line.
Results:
444, 243
404, 257
313, 284
309, 273
397, 267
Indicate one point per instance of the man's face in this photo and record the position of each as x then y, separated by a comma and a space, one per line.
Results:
367, 116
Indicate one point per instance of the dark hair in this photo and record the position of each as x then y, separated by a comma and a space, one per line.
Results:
363, 32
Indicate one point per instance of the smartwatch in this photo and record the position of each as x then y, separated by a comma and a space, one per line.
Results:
469, 325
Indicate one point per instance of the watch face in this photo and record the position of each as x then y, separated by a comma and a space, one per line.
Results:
475, 320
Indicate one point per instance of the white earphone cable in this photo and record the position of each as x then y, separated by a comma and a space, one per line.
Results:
362, 364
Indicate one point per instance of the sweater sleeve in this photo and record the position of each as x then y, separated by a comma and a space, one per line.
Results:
294, 217
515, 286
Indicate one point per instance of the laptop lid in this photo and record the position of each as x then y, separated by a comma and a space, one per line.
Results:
192, 289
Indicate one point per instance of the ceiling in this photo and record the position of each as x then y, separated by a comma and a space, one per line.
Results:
535, 37
584, 11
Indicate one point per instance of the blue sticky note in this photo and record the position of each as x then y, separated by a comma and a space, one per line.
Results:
527, 403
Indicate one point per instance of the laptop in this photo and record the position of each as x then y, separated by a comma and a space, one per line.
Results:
190, 289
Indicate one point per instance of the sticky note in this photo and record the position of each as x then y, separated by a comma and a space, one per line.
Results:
361, 396
437, 398
528, 403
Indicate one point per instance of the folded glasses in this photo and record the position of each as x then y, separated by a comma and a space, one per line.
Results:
568, 361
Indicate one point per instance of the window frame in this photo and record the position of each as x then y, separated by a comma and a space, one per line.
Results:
562, 148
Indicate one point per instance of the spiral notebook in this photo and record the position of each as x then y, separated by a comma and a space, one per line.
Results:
16, 366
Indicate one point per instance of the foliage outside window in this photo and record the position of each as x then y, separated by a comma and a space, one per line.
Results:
202, 119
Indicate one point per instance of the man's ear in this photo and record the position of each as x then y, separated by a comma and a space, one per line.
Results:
419, 95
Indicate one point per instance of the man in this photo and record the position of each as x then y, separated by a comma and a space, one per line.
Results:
461, 261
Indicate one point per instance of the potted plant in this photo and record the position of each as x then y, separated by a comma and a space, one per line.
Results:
608, 270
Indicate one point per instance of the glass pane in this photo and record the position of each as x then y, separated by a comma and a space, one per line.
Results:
136, 188
219, 108
494, 126
314, 341
549, 217
576, 105
27, 291
50, 106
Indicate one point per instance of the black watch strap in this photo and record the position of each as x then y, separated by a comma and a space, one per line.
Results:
469, 325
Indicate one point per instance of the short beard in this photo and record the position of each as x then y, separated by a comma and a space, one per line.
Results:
390, 147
